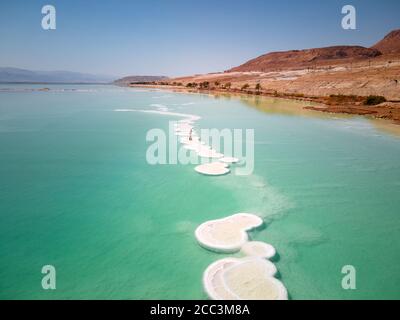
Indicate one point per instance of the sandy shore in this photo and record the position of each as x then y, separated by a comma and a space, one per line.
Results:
389, 111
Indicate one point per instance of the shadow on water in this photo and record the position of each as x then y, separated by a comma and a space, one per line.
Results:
276, 258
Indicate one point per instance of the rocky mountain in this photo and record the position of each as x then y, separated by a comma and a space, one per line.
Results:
316, 57
390, 43
309, 58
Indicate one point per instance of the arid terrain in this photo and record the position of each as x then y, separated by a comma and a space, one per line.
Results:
342, 79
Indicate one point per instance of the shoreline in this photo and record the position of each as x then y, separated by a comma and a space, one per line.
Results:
388, 111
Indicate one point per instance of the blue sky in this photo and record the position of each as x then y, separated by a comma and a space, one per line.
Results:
175, 37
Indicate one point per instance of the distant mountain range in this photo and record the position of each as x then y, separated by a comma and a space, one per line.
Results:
22, 75
138, 79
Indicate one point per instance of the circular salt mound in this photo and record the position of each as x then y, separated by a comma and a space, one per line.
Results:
252, 279
227, 234
193, 147
229, 160
209, 153
212, 279
243, 279
212, 169
258, 249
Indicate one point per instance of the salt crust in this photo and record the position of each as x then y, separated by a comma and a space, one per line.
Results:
227, 234
243, 279
212, 169
258, 249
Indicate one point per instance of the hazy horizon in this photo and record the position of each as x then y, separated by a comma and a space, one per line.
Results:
177, 38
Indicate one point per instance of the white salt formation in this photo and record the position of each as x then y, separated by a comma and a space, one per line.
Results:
188, 137
227, 234
182, 133
258, 249
184, 129
248, 278
243, 279
210, 153
195, 140
160, 107
254, 265
193, 147
212, 279
188, 117
253, 280
212, 169
229, 160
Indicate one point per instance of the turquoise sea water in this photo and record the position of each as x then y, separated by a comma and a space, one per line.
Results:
76, 192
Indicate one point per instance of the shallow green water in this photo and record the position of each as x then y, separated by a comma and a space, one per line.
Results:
76, 192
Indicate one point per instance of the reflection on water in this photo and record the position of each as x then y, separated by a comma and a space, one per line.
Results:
281, 106
288, 107
386, 126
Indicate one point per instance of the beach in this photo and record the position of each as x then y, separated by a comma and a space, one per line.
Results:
387, 111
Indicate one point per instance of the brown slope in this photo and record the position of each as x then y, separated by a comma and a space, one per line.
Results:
308, 58
389, 44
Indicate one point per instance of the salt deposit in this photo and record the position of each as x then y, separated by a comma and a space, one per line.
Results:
252, 279
258, 249
229, 160
192, 146
183, 134
160, 107
212, 279
212, 169
243, 279
195, 140
184, 129
211, 153
227, 234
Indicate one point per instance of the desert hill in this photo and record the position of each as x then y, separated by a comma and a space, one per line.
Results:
343, 79
390, 43
309, 58
319, 72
